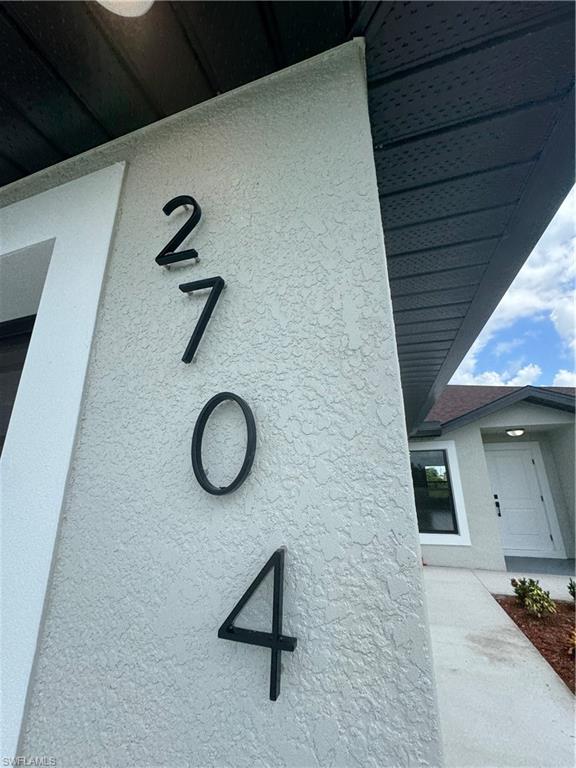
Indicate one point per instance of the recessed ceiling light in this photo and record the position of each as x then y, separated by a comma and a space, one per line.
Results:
127, 7
515, 432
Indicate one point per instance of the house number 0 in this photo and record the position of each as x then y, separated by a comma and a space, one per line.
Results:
197, 465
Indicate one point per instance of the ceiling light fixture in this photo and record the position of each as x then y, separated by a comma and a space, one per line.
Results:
127, 7
518, 432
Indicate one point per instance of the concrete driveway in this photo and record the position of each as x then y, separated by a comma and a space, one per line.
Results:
501, 704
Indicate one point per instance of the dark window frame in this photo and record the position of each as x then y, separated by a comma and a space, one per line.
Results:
455, 531
13, 334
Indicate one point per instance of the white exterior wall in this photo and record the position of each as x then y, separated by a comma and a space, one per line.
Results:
130, 671
526, 415
561, 442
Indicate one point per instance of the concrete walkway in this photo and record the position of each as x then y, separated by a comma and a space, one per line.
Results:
501, 704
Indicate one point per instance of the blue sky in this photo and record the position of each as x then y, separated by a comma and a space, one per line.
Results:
531, 336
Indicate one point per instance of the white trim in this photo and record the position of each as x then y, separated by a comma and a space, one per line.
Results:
78, 218
462, 538
549, 507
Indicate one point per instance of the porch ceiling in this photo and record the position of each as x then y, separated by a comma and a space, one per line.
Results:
472, 110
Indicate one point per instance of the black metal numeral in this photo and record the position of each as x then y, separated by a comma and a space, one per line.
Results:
274, 640
217, 284
198, 434
168, 254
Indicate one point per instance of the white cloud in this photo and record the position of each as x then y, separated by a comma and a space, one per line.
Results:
564, 318
529, 374
564, 378
543, 289
504, 347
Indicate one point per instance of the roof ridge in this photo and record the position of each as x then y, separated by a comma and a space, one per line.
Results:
458, 400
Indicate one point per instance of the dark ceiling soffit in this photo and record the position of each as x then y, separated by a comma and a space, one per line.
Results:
428, 429
474, 46
524, 231
370, 12
535, 395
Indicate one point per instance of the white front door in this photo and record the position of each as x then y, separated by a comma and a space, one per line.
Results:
527, 523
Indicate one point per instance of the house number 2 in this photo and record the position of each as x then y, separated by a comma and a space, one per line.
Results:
275, 640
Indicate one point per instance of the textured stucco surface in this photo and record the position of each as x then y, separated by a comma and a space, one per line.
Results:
130, 671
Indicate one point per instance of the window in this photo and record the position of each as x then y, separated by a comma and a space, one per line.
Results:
438, 493
433, 492
14, 340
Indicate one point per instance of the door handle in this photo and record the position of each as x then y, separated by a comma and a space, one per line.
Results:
497, 503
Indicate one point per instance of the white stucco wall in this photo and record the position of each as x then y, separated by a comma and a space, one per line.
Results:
130, 671
559, 485
561, 442
526, 415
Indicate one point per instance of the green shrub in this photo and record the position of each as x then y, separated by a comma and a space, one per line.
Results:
539, 603
523, 587
572, 588
531, 595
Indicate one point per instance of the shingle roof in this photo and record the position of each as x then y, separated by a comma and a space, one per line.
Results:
457, 399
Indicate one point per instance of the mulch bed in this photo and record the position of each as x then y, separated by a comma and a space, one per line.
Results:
549, 635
